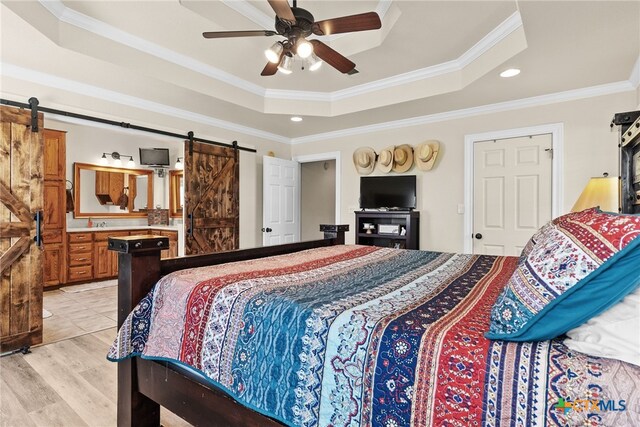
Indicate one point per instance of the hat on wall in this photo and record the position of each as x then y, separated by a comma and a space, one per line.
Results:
385, 159
402, 158
426, 154
364, 158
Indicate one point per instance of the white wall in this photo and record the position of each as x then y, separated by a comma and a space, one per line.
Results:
590, 148
317, 197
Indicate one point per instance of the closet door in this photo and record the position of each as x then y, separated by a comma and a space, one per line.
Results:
21, 175
211, 198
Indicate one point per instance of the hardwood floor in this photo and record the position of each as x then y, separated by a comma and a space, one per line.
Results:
67, 381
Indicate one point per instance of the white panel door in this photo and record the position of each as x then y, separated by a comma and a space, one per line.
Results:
511, 192
281, 204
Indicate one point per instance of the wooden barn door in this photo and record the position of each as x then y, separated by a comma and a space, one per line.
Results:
21, 199
211, 198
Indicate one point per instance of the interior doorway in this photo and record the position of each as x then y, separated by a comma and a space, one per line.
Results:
507, 174
319, 193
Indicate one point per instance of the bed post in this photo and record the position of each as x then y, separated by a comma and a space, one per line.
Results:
138, 271
334, 231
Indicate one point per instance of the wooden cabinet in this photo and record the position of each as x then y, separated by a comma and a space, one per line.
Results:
54, 207
109, 187
80, 257
54, 264
105, 261
54, 161
89, 257
172, 252
407, 220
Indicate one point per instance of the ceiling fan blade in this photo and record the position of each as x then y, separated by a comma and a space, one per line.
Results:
332, 57
282, 10
347, 24
270, 69
223, 34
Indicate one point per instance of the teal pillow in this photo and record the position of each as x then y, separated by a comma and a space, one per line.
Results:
579, 265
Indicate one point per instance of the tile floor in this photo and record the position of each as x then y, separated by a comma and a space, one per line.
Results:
78, 310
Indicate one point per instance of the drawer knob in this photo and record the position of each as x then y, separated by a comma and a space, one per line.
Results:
138, 245
160, 243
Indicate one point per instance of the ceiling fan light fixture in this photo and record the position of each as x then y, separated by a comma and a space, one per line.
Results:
303, 48
285, 65
274, 52
314, 62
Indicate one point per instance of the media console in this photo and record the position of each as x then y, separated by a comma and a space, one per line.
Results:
407, 220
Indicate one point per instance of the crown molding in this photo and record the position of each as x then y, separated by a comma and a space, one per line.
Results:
102, 29
495, 36
80, 20
48, 80
37, 77
570, 95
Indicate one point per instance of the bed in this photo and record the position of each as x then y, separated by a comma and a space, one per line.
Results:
322, 333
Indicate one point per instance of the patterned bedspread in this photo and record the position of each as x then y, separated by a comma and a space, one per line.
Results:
353, 335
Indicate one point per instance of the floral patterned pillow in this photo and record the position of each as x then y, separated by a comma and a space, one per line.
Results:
577, 266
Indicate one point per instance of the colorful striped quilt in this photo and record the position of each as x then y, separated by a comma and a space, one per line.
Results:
359, 335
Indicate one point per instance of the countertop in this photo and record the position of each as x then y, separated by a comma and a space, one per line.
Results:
125, 227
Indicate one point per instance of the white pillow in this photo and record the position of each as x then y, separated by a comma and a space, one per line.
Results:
614, 333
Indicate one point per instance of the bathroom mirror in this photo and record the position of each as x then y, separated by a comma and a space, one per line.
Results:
108, 192
176, 193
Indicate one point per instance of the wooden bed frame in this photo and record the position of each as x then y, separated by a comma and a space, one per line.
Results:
145, 385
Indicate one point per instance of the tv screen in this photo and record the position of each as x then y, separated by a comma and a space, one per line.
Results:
388, 192
154, 156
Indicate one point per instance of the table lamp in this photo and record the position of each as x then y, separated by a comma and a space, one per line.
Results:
600, 191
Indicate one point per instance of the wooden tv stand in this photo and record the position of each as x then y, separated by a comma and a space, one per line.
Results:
409, 220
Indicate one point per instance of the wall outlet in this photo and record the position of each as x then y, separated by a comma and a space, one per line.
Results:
460, 208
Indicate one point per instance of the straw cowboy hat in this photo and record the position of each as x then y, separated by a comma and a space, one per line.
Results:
426, 154
385, 159
364, 158
402, 158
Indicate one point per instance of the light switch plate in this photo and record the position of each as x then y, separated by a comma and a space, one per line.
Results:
460, 208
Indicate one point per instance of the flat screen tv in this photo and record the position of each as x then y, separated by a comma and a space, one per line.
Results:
154, 156
391, 192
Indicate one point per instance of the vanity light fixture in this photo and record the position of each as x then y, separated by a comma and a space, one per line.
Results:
104, 161
511, 72
179, 165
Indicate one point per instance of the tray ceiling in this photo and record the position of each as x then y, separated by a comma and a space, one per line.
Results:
429, 57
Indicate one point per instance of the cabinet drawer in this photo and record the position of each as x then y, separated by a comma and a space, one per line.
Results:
75, 248
81, 258
104, 235
79, 237
80, 273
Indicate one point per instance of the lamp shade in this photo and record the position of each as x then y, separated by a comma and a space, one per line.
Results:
601, 192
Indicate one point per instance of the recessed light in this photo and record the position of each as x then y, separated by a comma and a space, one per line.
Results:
510, 72
296, 119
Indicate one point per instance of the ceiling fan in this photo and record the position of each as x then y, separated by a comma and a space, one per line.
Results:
296, 24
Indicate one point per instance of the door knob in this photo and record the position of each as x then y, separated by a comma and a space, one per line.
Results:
269, 230
478, 236
266, 230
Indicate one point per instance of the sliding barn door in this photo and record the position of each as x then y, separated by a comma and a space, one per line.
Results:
21, 199
211, 198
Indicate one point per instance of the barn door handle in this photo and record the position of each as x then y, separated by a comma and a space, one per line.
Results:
38, 219
190, 229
